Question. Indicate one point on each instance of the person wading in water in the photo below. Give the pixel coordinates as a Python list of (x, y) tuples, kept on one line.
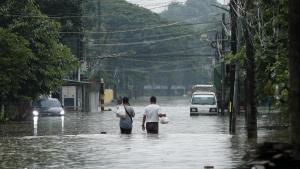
[(151, 116), (126, 113)]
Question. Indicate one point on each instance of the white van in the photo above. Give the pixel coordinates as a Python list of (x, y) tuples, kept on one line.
[(204, 103)]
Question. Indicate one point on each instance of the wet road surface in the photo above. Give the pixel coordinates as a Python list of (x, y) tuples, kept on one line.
[(74, 141)]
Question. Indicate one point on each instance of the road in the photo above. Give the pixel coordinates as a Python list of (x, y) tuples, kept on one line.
[(75, 141)]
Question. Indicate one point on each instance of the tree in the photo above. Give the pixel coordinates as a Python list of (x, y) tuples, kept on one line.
[(52, 59), (14, 65), (69, 14), (294, 70), (271, 45), (45, 69)]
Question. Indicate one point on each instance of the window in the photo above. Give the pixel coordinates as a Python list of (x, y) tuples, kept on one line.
[(50, 103), (204, 99)]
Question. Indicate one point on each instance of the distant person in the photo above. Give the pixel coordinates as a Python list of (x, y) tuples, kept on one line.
[(151, 116), (125, 112)]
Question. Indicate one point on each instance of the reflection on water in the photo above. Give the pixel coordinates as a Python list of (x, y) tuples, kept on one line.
[(36, 121), (174, 151), (62, 124), (74, 141), (35, 125)]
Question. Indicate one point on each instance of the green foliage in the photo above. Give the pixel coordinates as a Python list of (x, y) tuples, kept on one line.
[(270, 44), (271, 49), (14, 59), (69, 14), (33, 60), (239, 57)]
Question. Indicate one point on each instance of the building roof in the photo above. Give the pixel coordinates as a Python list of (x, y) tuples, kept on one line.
[(76, 82)]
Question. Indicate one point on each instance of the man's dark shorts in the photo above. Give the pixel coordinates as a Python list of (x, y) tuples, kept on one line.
[(152, 127), (125, 131)]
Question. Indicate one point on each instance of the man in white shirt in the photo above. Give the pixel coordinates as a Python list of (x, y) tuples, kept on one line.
[(151, 116)]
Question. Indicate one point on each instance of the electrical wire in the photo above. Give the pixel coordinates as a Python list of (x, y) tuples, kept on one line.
[(156, 61), (182, 50), (75, 15), (159, 57), (142, 42), (149, 42), (153, 70), (147, 37), (175, 24)]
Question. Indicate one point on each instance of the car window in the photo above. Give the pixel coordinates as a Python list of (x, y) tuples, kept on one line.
[(204, 99), (50, 103)]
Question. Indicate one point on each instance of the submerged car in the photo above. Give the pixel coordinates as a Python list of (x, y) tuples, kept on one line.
[(48, 107), (204, 103)]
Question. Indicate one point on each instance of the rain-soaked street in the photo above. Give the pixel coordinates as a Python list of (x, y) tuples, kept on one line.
[(75, 141)]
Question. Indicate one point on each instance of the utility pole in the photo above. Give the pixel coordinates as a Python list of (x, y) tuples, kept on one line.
[(250, 76), (233, 71), (98, 54), (294, 70), (98, 27), (223, 66)]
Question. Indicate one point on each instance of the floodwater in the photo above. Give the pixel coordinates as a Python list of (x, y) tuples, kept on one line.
[(75, 141)]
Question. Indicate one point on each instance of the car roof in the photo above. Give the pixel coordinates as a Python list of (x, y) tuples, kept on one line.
[(203, 93), (46, 99)]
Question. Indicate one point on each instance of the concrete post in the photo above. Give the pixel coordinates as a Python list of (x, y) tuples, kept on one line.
[(102, 94)]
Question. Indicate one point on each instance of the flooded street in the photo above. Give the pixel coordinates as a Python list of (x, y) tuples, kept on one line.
[(74, 60), (75, 141)]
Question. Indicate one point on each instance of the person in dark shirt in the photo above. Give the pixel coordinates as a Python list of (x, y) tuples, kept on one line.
[(125, 113)]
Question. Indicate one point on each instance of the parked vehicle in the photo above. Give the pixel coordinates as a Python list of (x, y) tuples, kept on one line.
[(47, 107), (204, 103), (203, 88)]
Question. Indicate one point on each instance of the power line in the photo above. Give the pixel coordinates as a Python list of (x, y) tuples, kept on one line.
[(180, 52), (69, 15), (166, 56), (162, 64), (141, 42), (153, 70), (149, 42), (75, 15), (150, 61), (175, 24), (146, 37), (166, 63)]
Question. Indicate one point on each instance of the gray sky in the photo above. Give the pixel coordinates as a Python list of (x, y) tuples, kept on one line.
[(160, 5)]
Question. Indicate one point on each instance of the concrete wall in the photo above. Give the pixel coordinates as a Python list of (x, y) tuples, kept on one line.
[(108, 96), (69, 97), (94, 101)]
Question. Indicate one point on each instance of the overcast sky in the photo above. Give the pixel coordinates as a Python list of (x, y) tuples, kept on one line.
[(160, 5)]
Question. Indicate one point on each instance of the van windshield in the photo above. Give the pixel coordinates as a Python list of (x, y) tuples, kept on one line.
[(203, 99)]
